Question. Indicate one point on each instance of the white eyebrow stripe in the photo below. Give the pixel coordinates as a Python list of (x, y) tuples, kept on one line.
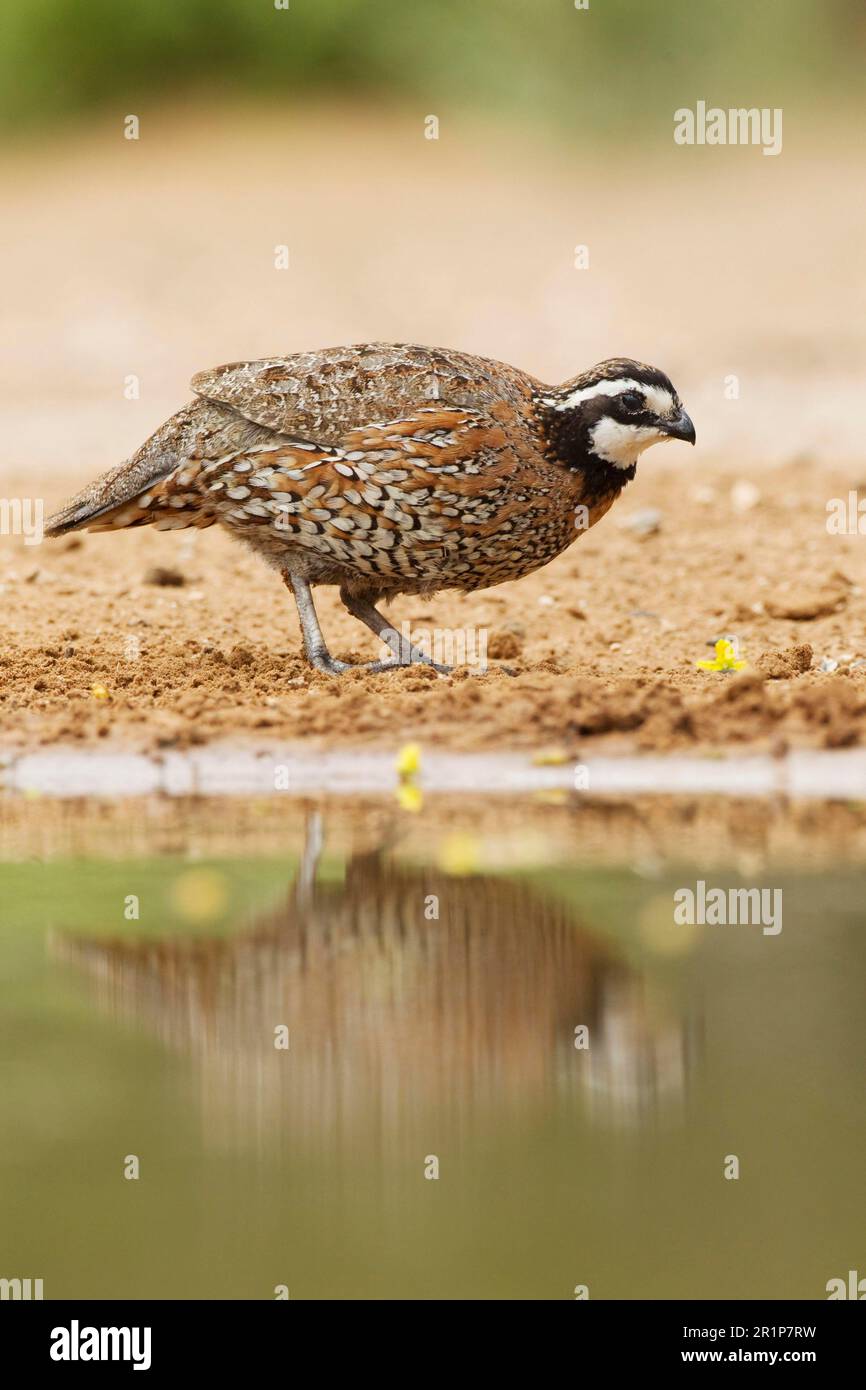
[(599, 388), (658, 397)]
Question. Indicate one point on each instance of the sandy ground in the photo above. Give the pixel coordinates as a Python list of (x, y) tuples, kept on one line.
[(602, 643), (160, 269)]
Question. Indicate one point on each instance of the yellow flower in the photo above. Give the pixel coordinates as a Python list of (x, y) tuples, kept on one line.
[(409, 797), (459, 854), (409, 760), (550, 757), (200, 895), (725, 658)]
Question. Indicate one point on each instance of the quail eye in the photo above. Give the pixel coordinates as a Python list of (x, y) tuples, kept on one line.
[(632, 400)]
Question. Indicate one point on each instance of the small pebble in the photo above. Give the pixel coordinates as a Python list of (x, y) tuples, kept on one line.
[(643, 523), (744, 496), (164, 577)]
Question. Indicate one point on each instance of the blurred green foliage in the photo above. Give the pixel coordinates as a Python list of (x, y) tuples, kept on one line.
[(541, 59)]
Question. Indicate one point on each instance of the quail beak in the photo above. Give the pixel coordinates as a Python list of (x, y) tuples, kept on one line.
[(680, 428)]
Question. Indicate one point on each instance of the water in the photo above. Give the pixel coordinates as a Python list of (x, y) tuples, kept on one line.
[(430, 971)]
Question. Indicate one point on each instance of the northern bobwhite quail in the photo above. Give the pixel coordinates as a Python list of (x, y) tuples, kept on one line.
[(389, 469)]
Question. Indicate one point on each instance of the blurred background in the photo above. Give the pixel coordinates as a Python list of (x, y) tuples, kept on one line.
[(541, 62), (131, 263)]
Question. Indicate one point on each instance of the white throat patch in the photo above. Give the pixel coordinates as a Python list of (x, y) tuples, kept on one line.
[(620, 444)]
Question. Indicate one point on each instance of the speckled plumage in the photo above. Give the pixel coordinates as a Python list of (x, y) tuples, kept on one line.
[(382, 469)]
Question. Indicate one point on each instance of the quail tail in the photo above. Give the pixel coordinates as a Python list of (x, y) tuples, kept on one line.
[(105, 504)]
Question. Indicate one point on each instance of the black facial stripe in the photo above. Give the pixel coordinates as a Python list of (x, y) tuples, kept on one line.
[(632, 417)]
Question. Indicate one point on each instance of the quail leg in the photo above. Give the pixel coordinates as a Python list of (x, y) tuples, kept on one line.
[(314, 840), (406, 654), (314, 642)]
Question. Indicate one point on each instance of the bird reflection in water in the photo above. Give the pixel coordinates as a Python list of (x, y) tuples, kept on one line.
[(399, 1024)]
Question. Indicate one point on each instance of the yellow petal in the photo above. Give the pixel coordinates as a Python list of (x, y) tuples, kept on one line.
[(459, 854), (200, 895), (409, 759), (550, 757), (409, 797)]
